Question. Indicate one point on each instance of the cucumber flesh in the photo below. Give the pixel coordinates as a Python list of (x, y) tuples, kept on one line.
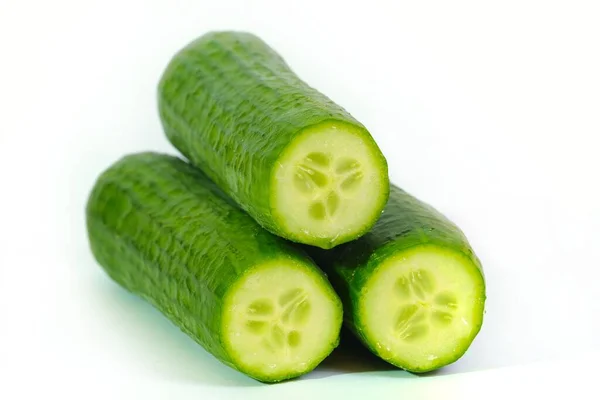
[(422, 307), (413, 289), (278, 320), (326, 184), (162, 230)]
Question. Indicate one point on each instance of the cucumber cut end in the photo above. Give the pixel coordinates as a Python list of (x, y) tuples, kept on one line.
[(281, 320), (330, 185), (422, 308)]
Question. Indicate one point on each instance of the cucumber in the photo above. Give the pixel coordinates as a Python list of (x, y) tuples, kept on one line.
[(299, 164), (165, 232), (413, 289)]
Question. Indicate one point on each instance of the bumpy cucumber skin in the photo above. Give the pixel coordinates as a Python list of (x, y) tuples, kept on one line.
[(165, 232), (406, 223), (232, 105)]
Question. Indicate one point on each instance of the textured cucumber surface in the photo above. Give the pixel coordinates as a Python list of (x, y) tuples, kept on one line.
[(234, 108), (416, 270), (165, 232)]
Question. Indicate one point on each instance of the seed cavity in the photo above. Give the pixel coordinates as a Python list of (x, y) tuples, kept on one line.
[(442, 317), (278, 336), (409, 323), (261, 307), (405, 315), (256, 327), (322, 178), (352, 181), (296, 307), (415, 332), (279, 322), (333, 201), (447, 299), (303, 183), (317, 210), (297, 314), (320, 159), (317, 177), (293, 338), (402, 287), (290, 295), (422, 283), (418, 286), (345, 165), (426, 280)]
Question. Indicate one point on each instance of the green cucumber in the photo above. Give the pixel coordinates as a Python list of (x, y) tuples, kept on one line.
[(413, 289), (164, 231), (299, 164)]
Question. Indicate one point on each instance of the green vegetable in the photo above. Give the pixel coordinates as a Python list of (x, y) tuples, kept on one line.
[(165, 232), (413, 290), (299, 164)]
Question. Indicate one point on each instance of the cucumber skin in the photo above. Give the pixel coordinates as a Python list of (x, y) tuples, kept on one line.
[(231, 105), (166, 233), (406, 223)]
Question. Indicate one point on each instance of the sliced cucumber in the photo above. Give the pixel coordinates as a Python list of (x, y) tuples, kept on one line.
[(165, 232), (277, 319), (299, 164), (412, 288), (429, 307), (325, 185)]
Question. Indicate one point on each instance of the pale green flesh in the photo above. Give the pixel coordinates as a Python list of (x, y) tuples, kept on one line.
[(280, 320), (422, 308), (328, 186)]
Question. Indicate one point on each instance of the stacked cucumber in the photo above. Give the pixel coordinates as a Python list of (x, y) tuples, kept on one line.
[(280, 177), (299, 164)]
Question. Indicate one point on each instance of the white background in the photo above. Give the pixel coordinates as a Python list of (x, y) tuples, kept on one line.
[(490, 111)]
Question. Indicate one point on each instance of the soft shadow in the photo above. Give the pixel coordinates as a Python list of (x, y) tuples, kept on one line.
[(351, 357), (158, 344)]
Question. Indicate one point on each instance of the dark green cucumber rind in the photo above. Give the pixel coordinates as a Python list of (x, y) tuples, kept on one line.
[(163, 231), (231, 105), (406, 223)]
